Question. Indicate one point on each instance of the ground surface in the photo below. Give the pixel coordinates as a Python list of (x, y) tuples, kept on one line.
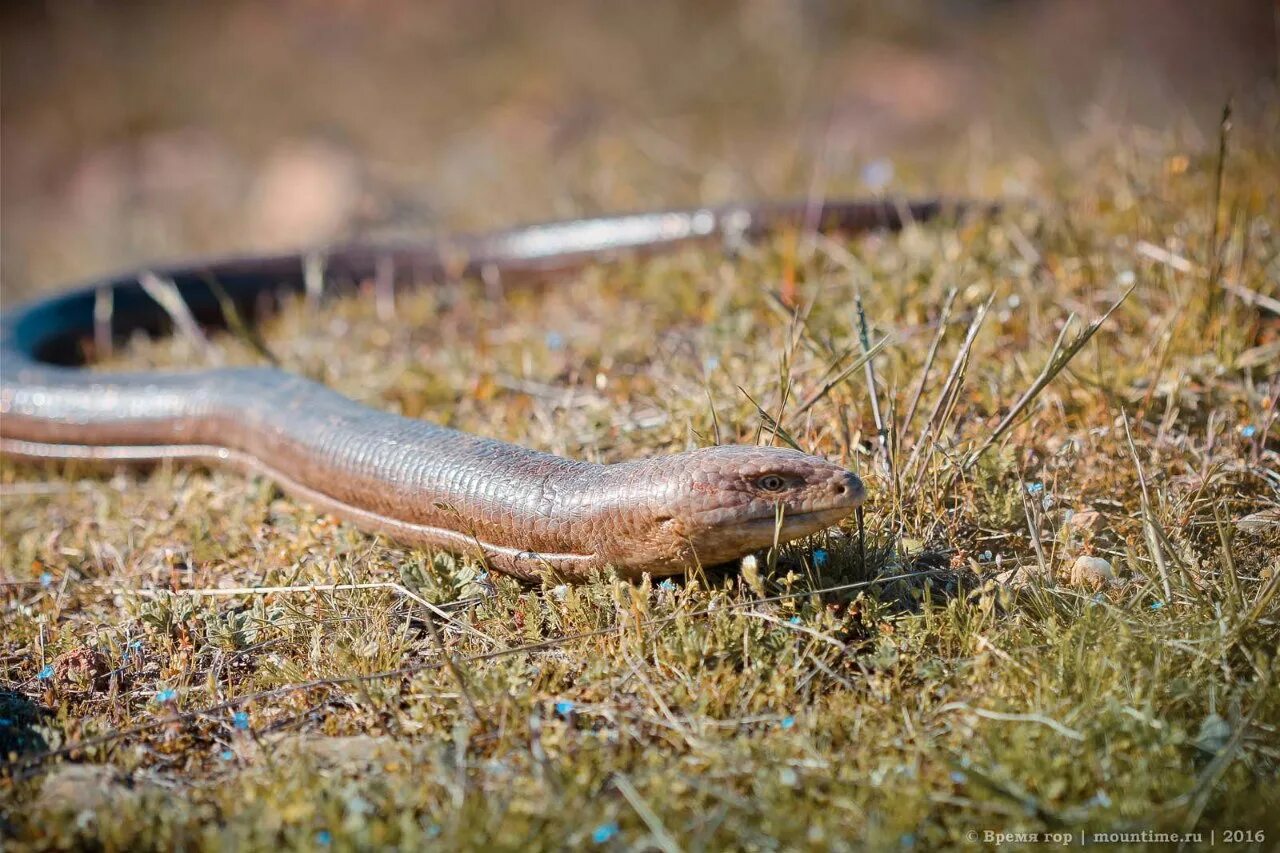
[(956, 672), (991, 689)]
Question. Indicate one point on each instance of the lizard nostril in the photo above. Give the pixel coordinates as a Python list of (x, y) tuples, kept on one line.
[(847, 488)]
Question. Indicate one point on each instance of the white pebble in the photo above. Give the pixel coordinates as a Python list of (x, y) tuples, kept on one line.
[(1093, 572)]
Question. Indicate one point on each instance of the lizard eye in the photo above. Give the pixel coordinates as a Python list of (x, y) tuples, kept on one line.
[(771, 483)]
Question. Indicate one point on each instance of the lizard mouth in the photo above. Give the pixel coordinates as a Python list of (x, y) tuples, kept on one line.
[(761, 532), (749, 535)]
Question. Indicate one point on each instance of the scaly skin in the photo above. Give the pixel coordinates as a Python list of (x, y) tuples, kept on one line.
[(522, 511)]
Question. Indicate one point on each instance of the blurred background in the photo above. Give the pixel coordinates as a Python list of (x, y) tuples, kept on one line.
[(143, 130)]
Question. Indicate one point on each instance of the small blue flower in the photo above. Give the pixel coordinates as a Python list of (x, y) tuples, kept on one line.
[(788, 722), (1035, 488), (667, 584), (323, 838), (166, 695), (604, 832), (710, 363), (555, 341), (46, 673), (227, 755), (564, 707), (907, 841), (240, 719), (958, 777), (1249, 431), (1156, 605), (433, 830), (794, 620), (46, 579), (821, 558)]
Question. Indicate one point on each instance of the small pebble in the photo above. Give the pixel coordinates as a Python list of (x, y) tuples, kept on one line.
[(1091, 572), (1086, 519), (1015, 578)]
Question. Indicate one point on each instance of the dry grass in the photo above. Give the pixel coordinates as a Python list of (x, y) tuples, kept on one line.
[(989, 689)]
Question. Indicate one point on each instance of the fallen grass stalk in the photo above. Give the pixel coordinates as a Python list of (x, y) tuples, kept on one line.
[(661, 838), (1014, 718)]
